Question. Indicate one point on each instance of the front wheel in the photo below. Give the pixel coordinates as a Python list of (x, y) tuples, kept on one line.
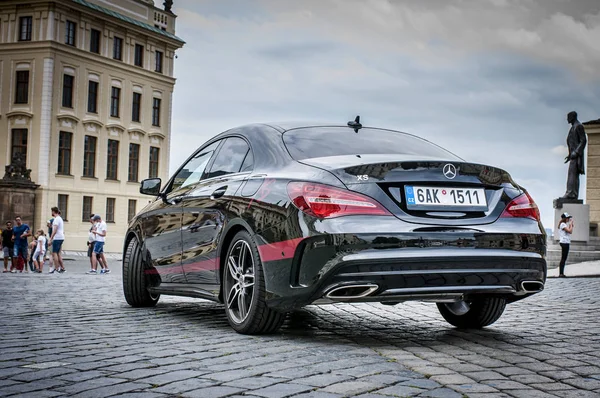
[(135, 281), (244, 289), (473, 314)]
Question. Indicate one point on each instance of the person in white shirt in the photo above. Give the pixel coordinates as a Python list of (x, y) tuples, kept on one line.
[(99, 230), (57, 239), (40, 251), (91, 244), (565, 229)]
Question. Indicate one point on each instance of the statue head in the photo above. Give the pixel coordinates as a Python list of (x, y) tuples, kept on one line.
[(572, 117)]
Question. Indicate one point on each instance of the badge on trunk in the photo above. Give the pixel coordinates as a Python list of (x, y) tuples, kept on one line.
[(449, 171)]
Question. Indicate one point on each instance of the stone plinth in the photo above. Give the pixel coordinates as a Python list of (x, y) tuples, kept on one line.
[(17, 198), (581, 216)]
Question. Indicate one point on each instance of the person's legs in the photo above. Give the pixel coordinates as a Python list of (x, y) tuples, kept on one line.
[(7, 255), (563, 258), (56, 254)]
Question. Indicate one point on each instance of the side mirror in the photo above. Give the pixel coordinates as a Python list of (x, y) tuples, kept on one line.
[(150, 186)]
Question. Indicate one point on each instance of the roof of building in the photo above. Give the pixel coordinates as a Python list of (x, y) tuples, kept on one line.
[(128, 19), (592, 122)]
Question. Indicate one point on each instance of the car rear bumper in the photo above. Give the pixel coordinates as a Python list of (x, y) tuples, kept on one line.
[(392, 268)]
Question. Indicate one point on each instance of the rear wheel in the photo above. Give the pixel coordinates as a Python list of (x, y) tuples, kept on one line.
[(473, 314), (135, 281), (244, 289)]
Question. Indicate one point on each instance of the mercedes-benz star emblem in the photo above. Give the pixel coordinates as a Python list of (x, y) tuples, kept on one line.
[(449, 171)]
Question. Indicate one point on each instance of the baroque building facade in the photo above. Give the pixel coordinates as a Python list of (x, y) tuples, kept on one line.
[(86, 92)]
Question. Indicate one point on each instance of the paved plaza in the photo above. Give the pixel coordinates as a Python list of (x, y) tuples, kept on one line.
[(74, 335)]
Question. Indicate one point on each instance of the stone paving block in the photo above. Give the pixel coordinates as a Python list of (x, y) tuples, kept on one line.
[(401, 391), (576, 394), (452, 379), (252, 383), (433, 370), (441, 393), (83, 376), (281, 390), (485, 375), (37, 385), (554, 386), (141, 395), (583, 383), (321, 394), (530, 394), (170, 377), (183, 386), (40, 394), (115, 389), (322, 380), (506, 385), (473, 388)]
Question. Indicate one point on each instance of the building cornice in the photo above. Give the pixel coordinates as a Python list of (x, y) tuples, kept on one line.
[(136, 130), (68, 116), (592, 126), (156, 134), (36, 46), (19, 113)]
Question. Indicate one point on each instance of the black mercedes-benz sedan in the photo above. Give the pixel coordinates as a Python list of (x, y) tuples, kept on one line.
[(267, 218)]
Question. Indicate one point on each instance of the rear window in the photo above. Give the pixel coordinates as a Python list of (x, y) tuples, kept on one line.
[(316, 142)]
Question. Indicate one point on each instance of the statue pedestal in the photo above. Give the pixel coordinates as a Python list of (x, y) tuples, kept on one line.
[(581, 216), (17, 198)]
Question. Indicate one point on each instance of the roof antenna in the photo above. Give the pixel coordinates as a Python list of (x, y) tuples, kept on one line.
[(355, 124)]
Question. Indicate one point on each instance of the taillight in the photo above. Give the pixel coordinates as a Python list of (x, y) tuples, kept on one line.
[(522, 206), (324, 201)]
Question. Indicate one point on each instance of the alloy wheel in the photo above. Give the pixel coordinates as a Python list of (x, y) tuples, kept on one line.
[(240, 275)]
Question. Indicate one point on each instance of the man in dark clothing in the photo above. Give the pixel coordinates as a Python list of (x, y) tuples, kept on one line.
[(20, 234), (576, 142), (7, 246)]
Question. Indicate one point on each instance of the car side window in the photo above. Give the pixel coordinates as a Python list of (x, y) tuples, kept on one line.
[(248, 164), (230, 158), (192, 172)]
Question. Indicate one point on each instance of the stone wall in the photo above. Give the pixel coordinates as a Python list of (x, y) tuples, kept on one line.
[(593, 171), (17, 201)]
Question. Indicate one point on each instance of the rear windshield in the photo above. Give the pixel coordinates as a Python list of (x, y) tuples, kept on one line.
[(316, 142)]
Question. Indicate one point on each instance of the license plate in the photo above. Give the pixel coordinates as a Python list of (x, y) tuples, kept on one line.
[(445, 197)]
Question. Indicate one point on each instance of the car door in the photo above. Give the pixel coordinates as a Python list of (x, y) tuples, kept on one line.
[(162, 223), (205, 211)]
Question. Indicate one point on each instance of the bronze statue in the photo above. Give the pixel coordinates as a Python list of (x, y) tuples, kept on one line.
[(17, 169), (576, 141), (168, 4)]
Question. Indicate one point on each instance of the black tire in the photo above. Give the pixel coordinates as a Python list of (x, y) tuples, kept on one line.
[(135, 281), (260, 319), (482, 312)]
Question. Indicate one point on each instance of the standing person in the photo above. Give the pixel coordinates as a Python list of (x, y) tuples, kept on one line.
[(565, 229), (8, 246), (99, 230), (20, 234), (91, 244), (56, 240), (48, 246), (40, 251), (32, 246)]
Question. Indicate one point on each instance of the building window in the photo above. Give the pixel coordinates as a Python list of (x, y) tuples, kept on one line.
[(88, 203), (131, 209), (156, 112), (110, 210), (19, 144), (22, 89), (71, 30), (112, 160), (89, 156), (138, 58), (64, 152), (118, 48), (115, 98), (25, 28), (92, 96), (95, 41), (159, 62), (134, 160), (153, 170), (135, 107), (67, 98), (63, 205)]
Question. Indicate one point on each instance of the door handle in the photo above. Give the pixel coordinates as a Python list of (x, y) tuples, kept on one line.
[(218, 193)]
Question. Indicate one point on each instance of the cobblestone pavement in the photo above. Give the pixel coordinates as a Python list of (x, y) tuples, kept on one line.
[(74, 335)]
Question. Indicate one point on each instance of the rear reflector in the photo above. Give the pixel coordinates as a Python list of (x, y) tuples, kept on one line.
[(522, 206), (324, 201)]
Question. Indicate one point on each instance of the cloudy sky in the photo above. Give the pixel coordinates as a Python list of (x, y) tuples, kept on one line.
[(490, 80)]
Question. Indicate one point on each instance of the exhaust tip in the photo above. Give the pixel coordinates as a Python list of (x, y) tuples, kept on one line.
[(532, 286), (351, 291)]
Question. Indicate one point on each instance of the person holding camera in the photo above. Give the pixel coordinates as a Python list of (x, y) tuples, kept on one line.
[(565, 229)]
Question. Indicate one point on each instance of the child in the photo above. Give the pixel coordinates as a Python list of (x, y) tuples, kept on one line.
[(40, 251)]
